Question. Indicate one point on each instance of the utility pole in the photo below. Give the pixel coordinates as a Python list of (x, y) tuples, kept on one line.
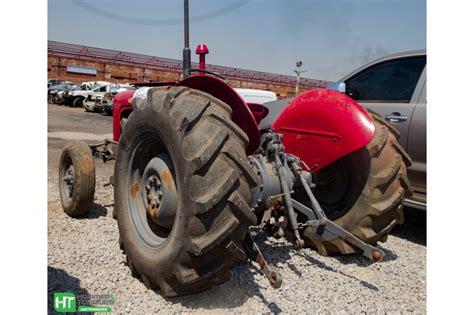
[(298, 71), (186, 49)]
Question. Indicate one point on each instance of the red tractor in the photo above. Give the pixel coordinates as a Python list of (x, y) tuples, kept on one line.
[(195, 176)]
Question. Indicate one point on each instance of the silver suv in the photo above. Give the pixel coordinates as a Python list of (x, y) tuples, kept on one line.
[(395, 87)]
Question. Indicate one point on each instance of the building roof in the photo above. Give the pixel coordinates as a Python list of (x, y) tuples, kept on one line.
[(126, 58)]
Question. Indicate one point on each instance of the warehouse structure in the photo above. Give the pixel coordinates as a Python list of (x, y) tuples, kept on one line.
[(79, 63)]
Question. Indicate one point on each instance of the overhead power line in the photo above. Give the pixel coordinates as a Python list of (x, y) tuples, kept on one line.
[(172, 21)]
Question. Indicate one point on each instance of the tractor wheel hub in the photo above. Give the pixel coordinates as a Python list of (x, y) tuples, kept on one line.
[(159, 196), (68, 182)]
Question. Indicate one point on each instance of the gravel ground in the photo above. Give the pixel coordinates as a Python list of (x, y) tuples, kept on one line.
[(84, 258)]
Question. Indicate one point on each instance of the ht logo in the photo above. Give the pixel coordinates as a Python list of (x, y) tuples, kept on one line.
[(64, 302)]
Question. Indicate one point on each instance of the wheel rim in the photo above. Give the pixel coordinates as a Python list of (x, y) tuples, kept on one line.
[(67, 176), (159, 196), (151, 190), (335, 189)]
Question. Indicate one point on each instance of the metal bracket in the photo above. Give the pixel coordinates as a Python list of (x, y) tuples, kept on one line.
[(275, 148), (330, 230), (106, 153), (254, 253)]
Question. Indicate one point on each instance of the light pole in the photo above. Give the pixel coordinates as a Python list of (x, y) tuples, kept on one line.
[(298, 71)]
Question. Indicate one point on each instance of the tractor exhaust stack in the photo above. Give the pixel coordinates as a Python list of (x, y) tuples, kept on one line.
[(186, 49)]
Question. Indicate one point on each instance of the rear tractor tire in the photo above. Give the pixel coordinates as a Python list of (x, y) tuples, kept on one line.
[(76, 178), (182, 191), (364, 191)]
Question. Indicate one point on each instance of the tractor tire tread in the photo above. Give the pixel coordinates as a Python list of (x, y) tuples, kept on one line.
[(218, 213), (380, 205), (84, 178)]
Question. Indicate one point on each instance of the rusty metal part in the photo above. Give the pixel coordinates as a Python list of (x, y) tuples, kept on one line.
[(134, 190), (299, 243), (104, 151), (254, 253), (267, 215), (153, 195)]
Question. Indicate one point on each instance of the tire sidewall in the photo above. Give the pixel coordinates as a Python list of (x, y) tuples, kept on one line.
[(146, 258), (83, 169), (360, 161), (67, 206)]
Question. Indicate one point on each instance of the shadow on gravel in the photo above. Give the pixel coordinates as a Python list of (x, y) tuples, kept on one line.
[(414, 228), (230, 294), (280, 253), (96, 211), (251, 271), (233, 294), (60, 281), (361, 261), (322, 265), (227, 295)]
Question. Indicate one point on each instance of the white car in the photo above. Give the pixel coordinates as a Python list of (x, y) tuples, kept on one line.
[(95, 100), (76, 97), (256, 96)]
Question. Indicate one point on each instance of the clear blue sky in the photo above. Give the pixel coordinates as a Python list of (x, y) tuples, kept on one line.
[(331, 37)]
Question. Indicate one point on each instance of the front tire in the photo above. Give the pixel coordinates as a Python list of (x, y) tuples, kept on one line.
[(76, 178), (193, 134), (364, 191)]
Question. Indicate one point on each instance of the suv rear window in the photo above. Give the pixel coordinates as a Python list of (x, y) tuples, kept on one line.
[(392, 81)]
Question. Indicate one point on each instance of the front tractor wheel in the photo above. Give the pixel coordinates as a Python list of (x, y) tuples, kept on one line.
[(364, 191), (182, 191), (76, 178)]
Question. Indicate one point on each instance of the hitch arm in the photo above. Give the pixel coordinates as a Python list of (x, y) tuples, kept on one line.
[(318, 211), (254, 253), (330, 230)]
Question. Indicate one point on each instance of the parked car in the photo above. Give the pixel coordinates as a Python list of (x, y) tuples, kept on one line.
[(109, 108), (56, 93), (61, 93), (55, 82), (97, 98), (256, 96), (395, 87), (76, 97)]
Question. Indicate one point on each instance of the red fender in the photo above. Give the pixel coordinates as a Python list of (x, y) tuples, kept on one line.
[(122, 106), (242, 114), (321, 126)]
